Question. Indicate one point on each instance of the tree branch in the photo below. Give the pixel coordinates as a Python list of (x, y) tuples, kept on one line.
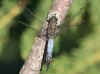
[(33, 63)]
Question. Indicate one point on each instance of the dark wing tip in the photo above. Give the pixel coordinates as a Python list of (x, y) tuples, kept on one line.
[(21, 4), (82, 8)]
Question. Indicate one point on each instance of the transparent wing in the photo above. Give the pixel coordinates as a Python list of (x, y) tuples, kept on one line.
[(66, 25), (28, 14), (70, 27), (32, 28)]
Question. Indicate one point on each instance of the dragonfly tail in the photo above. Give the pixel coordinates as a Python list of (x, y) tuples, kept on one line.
[(48, 61)]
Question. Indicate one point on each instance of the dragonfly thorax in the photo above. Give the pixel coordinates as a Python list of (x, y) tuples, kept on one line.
[(52, 27)]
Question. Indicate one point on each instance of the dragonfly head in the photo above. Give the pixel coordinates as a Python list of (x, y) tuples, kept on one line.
[(53, 19)]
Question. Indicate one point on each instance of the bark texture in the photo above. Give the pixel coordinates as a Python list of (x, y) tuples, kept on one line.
[(33, 63)]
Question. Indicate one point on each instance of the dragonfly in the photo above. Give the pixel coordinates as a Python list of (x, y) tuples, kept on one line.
[(53, 29)]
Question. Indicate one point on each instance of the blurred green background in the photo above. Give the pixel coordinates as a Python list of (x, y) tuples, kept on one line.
[(77, 51)]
